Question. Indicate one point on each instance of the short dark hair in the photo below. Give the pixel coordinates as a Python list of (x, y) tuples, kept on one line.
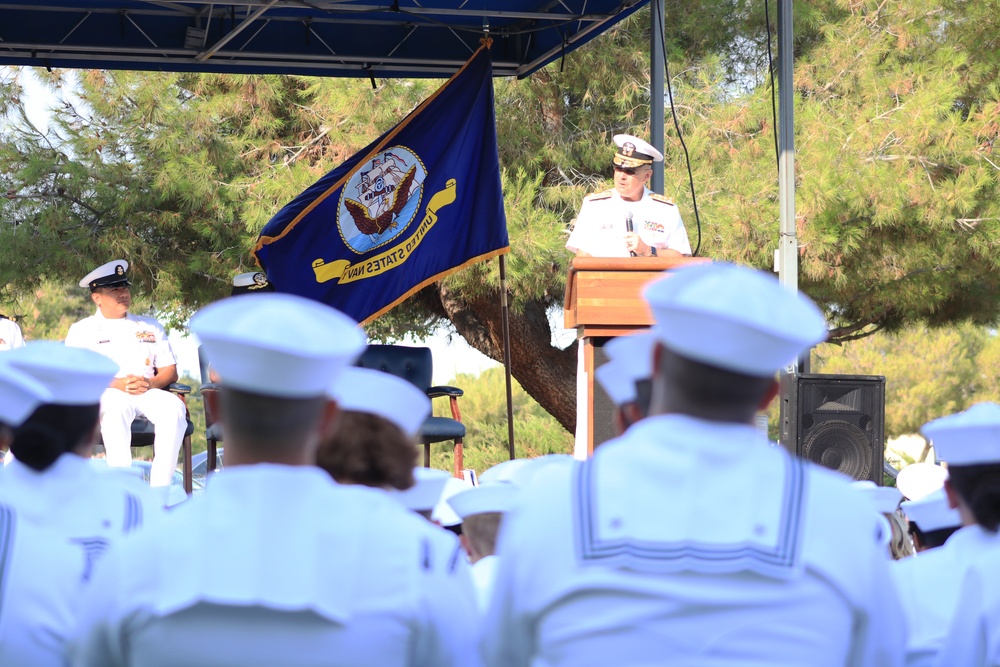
[(259, 422), (931, 539), (979, 487), (367, 449), (51, 431), (702, 390)]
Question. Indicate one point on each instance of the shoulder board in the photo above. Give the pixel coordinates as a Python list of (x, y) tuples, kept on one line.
[(661, 198), (598, 195)]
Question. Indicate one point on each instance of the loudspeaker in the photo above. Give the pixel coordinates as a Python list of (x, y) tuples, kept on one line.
[(604, 408), (836, 421)]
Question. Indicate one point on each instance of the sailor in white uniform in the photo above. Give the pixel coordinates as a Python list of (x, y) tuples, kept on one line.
[(10, 334), (146, 367), (689, 540), (41, 573), (313, 572), (481, 510), (51, 479), (629, 219), (969, 442), (928, 583), (627, 375)]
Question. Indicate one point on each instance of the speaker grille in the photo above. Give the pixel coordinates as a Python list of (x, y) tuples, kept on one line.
[(841, 446)]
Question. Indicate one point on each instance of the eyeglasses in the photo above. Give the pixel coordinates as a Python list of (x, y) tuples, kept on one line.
[(626, 170)]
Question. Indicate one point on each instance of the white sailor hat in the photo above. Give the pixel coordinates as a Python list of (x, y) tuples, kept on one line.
[(617, 381), (932, 512), (634, 152), (733, 318), (920, 479), (967, 438), (112, 274), (72, 375), (885, 499), (277, 344), (20, 393), (443, 513), (382, 394), (481, 499), (250, 282), (426, 492), (631, 361), (504, 471)]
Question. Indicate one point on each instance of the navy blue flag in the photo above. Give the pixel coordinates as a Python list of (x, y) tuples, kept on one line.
[(418, 203)]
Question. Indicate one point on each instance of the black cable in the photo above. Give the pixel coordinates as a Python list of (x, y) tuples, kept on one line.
[(770, 70), (677, 126)]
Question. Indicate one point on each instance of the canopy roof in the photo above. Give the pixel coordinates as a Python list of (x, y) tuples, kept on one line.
[(362, 38)]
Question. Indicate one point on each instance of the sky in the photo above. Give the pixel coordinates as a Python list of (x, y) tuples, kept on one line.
[(452, 355)]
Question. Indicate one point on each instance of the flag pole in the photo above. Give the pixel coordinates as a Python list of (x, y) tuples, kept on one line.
[(505, 312)]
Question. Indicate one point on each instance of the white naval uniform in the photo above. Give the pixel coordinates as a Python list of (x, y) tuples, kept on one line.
[(280, 565), (973, 635), (600, 226), (686, 542), (10, 335), (80, 499), (138, 345), (484, 573), (41, 579), (928, 585)]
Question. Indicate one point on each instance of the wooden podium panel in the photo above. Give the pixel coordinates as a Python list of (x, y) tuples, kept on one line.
[(604, 300)]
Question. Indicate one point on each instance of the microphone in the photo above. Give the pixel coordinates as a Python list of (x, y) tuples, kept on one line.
[(628, 228)]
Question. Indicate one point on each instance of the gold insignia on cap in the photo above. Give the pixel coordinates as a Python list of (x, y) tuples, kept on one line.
[(120, 270), (259, 278), (628, 148)]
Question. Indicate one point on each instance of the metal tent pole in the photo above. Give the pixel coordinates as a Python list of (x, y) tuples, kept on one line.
[(656, 76)]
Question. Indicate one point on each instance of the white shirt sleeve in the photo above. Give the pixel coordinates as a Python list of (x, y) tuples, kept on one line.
[(99, 641), (967, 641)]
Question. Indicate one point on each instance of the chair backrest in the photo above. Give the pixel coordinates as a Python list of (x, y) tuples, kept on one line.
[(415, 364)]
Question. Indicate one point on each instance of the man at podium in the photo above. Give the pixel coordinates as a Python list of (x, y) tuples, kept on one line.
[(629, 219)]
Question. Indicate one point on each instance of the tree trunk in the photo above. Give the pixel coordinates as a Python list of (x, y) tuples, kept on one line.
[(547, 373)]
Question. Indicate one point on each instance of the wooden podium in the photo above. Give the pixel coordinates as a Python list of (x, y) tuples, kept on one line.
[(604, 300)]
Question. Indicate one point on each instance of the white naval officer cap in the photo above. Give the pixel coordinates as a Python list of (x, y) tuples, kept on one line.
[(885, 499), (967, 438), (20, 394), (277, 344), (250, 282), (72, 375), (631, 360), (634, 152), (481, 499), (738, 319), (383, 395), (426, 492), (920, 479), (932, 512), (111, 274)]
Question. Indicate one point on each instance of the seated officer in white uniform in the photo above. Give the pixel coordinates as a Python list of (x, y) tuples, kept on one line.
[(10, 334), (629, 219), (313, 572), (146, 367), (40, 571), (969, 442), (689, 540), (52, 480)]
